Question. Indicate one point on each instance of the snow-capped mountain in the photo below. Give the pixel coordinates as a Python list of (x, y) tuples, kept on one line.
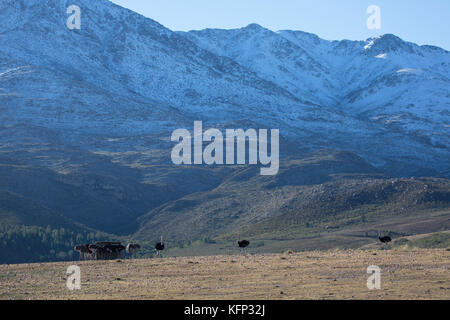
[(125, 75), (399, 85)]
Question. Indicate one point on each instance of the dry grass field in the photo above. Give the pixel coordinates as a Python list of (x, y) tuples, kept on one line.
[(338, 274)]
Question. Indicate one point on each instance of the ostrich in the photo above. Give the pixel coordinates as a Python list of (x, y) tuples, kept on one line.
[(84, 251), (132, 248), (80, 250), (94, 249), (159, 247), (99, 252), (119, 250), (113, 251), (385, 239), (110, 251), (243, 244)]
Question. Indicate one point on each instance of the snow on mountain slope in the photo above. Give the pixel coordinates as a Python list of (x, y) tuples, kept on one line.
[(346, 74), (400, 86), (124, 53), (118, 46), (123, 74), (272, 57), (388, 80)]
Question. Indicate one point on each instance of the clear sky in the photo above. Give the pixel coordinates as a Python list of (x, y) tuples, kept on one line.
[(419, 21)]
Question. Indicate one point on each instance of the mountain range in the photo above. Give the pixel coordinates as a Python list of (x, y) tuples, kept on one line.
[(86, 119)]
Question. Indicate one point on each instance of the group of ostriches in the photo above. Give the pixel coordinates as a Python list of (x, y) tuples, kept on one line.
[(106, 250), (113, 250)]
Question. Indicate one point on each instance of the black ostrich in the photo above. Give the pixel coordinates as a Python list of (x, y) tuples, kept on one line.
[(243, 244), (85, 252), (159, 247), (385, 239)]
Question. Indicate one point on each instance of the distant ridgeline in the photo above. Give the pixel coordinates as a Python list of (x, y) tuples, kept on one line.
[(21, 244)]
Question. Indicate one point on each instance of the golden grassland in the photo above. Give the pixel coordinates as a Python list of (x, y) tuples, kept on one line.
[(337, 274)]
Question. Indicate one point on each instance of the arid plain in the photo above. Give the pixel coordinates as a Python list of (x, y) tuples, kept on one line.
[(336, 274)]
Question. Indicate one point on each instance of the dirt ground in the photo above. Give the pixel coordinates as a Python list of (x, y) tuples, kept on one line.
[(413, 274)]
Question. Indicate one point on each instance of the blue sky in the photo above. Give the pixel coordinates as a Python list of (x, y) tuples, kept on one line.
[(420, 21)]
